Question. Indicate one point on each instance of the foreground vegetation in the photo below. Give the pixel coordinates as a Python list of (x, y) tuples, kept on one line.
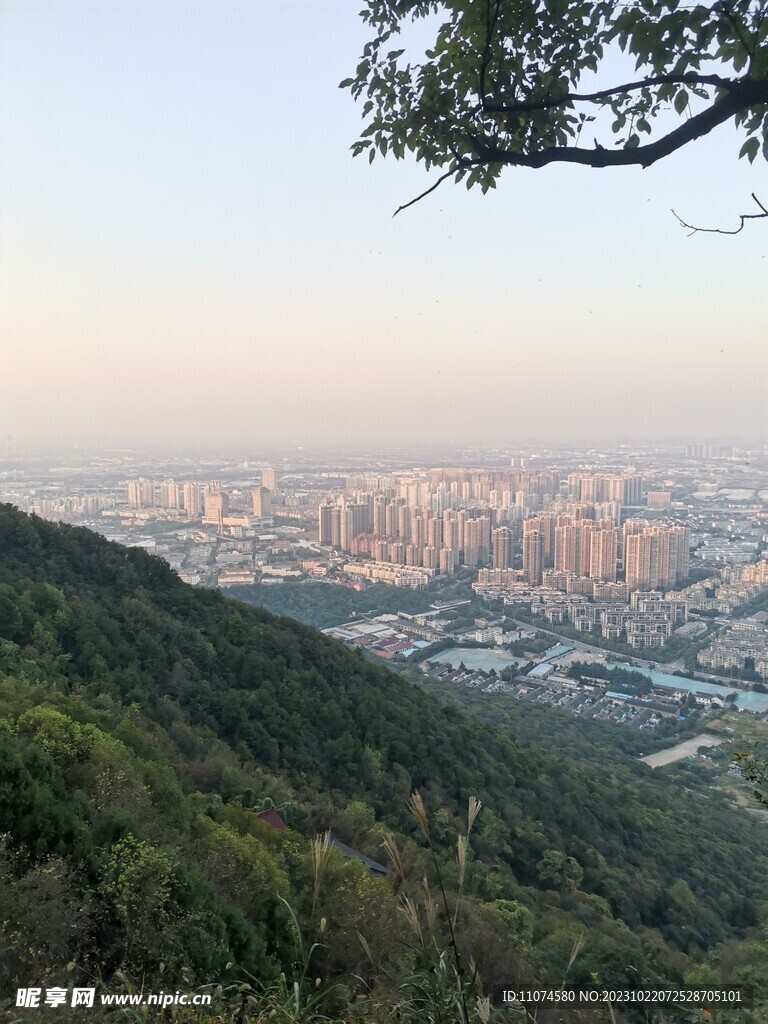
[(144, 726)]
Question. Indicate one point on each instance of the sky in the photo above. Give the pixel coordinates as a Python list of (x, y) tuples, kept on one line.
[(189, 255)]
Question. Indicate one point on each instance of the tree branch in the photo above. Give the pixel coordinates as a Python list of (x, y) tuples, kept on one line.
[(743, 94), (723, 231), (687, 78), (440, 180)]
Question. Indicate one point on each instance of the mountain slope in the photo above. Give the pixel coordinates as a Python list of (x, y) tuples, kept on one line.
[(140, 711)]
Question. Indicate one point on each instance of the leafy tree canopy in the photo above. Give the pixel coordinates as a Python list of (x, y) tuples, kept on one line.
[(520, 82)]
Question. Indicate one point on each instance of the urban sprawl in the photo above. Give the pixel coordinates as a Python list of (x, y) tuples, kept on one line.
[(526, 572)]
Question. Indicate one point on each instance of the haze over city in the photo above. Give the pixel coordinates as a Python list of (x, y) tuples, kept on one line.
[(190, 255)]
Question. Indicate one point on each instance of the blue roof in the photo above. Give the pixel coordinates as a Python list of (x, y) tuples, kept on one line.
[(557, 650), (541, 670)]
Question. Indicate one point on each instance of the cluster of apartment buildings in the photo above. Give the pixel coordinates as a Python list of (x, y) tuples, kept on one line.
[(743, 646), (570, 568), (646, 619), (581, 544), (570, 532), (394, 533), (71, 505), (735, 587), (209, 503), (460, 518)]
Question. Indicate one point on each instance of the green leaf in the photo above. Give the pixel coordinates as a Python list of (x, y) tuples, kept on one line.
[(681, 101), (750, 148)]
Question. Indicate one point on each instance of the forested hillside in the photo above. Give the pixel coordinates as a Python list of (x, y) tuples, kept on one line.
[(144, 724), (324, 604)]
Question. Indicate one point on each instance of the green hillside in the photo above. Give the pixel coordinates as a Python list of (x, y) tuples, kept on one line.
[(144, 724)]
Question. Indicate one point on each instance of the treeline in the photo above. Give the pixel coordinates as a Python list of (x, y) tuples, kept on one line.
[(328, 604), (630, 680)]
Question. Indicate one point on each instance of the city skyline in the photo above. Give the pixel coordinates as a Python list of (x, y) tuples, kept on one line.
[(185, 260), (647, 550)]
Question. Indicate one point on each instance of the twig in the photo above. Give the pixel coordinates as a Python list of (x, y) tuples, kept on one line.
[(738, 30), (744, 217), (432, 188), (490, 25)]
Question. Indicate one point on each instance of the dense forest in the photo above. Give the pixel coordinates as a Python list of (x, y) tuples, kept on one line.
[(145, 725), (326, 604)]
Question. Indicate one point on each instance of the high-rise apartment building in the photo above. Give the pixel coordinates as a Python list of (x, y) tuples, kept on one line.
[(262, 502), (674, 555), (572, 545), (471, 543), (502, 547), (336, 517), (324, 523), (418, 530), (269, 478), (380, 550), (380, 505), (216, 506), (630, 527), (170, 496), (391, 518), (435, 533), (545, 525), (447, 561), (625, 488), (659, 500), (430, 557), (193, 500), (451, 529), (397, 552), (404, 523), (134, 493), (641, 560), (533, 557), (141, 493), (656, 556), (632, 489), (603, 546), (355, 517)]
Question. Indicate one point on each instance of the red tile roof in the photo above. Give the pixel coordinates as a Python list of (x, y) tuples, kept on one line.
[(272, 818)]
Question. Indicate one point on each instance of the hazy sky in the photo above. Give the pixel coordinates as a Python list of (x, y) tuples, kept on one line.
[(189, 253)]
